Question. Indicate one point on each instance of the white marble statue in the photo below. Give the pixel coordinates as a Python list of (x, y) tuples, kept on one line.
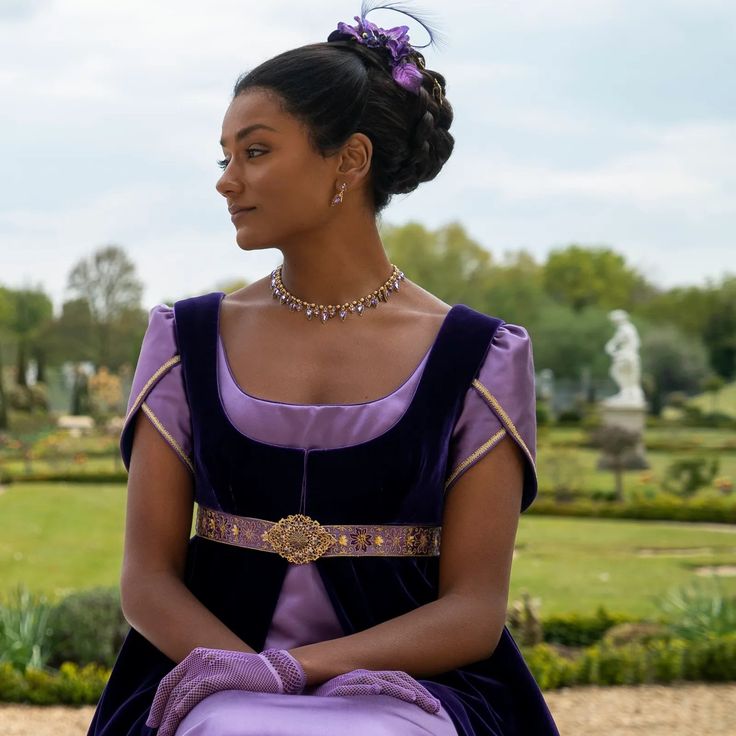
[(623, 348)]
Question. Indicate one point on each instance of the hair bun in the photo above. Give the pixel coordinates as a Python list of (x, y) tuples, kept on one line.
[(430, 144)]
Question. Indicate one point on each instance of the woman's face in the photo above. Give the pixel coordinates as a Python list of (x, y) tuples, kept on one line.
[(273, 170)]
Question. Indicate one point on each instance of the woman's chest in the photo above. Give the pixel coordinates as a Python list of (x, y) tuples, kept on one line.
[(301, 365)]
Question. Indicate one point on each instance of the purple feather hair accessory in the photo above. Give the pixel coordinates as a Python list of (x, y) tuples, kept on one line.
[(404, 71)]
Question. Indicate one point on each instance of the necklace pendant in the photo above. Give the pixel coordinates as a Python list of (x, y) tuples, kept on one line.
[(343, 314), (324, 317), (359, 309), (309, 312)]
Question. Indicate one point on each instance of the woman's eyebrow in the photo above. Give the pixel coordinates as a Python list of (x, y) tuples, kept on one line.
[(249, 129)]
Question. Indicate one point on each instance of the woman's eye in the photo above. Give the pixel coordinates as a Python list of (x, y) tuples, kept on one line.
[(225, 161)]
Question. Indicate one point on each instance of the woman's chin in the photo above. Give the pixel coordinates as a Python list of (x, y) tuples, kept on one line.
[(246, 241)]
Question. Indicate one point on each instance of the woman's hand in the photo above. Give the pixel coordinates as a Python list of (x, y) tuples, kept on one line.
[(395, 683), (206, 671)]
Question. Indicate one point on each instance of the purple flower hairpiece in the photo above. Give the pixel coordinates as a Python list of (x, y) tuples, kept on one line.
[(404, 71)]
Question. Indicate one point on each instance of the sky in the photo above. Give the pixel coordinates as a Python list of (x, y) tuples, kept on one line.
[(607, 123)]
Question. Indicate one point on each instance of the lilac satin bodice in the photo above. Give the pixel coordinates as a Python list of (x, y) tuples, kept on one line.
[(500, 401)]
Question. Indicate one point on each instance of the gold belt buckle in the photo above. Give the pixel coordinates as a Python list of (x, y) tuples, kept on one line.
[(299, 538)]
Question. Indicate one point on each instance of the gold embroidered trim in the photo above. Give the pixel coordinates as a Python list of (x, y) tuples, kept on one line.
[(167, 435), (506, 419), (154, 377), (475, 455), (300, 539)]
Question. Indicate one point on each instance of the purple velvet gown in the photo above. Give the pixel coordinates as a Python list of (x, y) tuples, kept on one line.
[(503, 403)]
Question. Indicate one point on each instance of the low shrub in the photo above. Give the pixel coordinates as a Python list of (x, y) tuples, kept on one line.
[(712, 659), (578, 630), (70, 685), (664, 507), (87, 626), (70, 476), (686, 475)]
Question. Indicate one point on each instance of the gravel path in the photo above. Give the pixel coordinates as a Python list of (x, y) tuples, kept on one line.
[(654, 710)]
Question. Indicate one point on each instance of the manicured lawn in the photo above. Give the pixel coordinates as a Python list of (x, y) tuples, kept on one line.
[(577, 564), (60, 536), (57, 537)]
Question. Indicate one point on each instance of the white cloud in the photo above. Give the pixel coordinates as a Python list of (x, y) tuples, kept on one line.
[(135, 93), (683, 167)]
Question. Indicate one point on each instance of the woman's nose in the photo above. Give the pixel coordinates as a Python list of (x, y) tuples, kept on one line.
[(225, 184)]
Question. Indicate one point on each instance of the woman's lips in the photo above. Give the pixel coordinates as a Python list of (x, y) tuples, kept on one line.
[(241, 212)]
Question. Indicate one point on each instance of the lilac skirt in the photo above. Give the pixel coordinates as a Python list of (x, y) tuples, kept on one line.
[(242, 713)]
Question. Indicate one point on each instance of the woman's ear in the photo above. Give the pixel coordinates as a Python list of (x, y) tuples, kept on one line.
[(355, 159)]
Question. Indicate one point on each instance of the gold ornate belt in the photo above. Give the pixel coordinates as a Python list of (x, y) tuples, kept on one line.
[(301, 539)]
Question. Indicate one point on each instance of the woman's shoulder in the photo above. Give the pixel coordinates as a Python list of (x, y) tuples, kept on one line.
[(501, 400), (159, 340), (510, 350)]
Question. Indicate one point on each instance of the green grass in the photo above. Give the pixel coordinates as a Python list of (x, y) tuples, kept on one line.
[(58, 537), (725, 401), (578, 564)]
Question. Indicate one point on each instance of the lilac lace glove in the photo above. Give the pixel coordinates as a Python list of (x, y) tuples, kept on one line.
[(205, 671), (395, 683)]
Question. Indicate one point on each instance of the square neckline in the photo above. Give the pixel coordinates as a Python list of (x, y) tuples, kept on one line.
[(289, 404)]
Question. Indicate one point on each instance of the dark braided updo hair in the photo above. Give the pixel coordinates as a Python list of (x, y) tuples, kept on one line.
[(339, 87)]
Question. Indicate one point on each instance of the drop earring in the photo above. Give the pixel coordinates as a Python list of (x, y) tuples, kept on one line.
[(337, 199)]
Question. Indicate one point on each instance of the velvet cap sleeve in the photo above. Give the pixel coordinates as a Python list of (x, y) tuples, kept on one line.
[(158, 389), (500, 401)]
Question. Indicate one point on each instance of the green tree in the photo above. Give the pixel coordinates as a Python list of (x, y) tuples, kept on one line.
[(671, 361), (515, 289), (6, 317), (583, 277), (719, 332), (70, 335), (110, 286), (446, 262), (708, 311), (32, 310), (569, 343)]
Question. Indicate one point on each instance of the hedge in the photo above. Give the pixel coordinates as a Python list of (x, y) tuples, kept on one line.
[(712, 659)]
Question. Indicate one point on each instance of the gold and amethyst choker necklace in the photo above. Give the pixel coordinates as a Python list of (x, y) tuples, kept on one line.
[(328, 311)]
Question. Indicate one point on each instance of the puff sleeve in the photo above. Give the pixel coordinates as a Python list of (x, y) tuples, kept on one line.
[(500, 401), (158, 389)]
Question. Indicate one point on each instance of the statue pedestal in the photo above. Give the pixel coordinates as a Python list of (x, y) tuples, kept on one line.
[(629, 417)]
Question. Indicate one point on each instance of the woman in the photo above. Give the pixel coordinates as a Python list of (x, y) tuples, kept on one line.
[(313, 596)]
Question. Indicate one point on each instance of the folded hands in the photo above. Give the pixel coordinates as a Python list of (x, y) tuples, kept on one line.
[(205, 671)]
